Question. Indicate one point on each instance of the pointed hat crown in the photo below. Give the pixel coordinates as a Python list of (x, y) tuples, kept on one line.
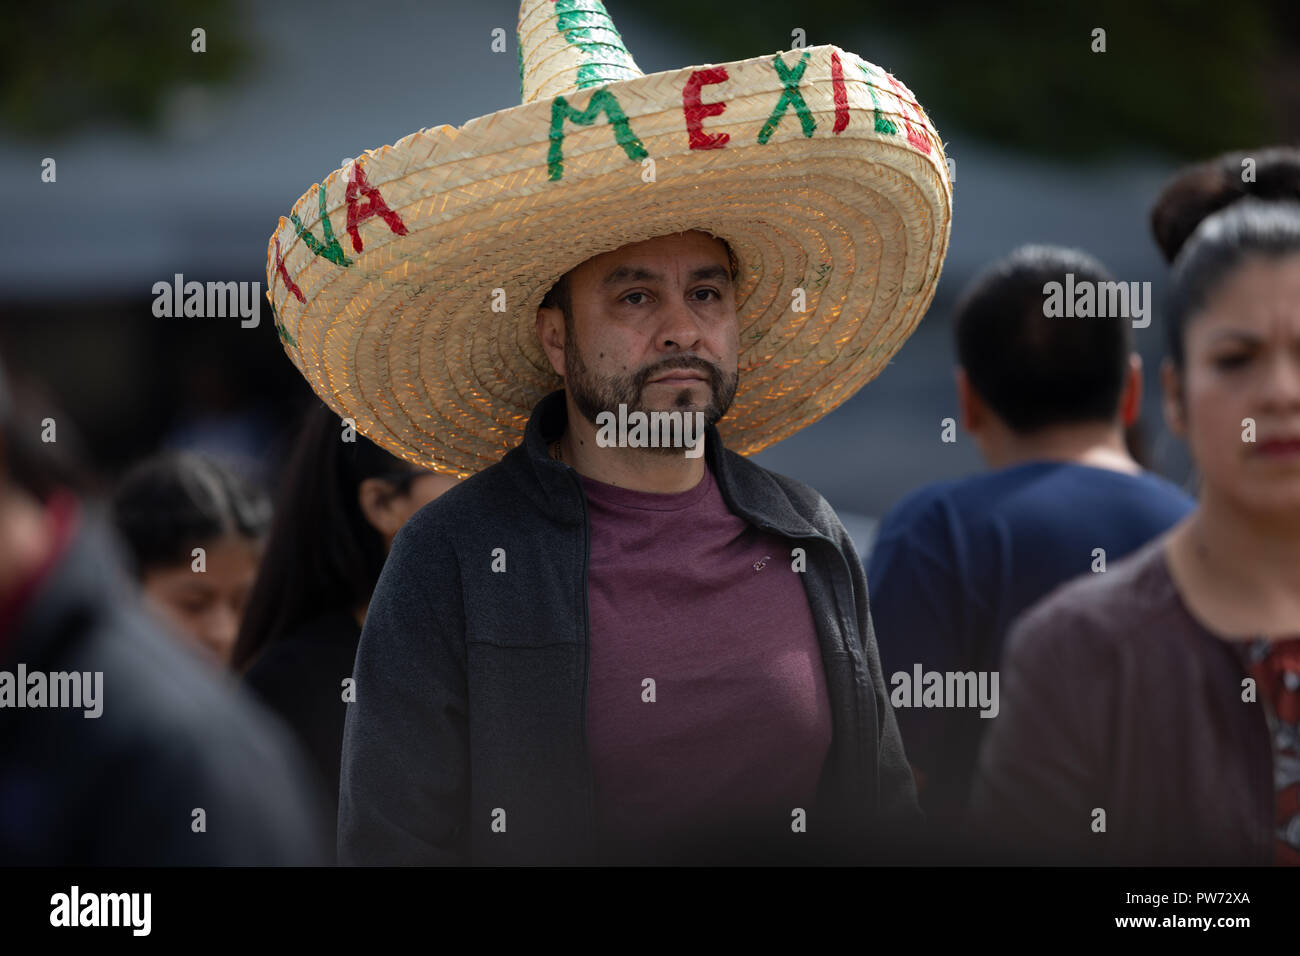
[(569, 45)]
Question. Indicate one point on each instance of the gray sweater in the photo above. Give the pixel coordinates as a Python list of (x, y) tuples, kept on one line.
[(466, 742)]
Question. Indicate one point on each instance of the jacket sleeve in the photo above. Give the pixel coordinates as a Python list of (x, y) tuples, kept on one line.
[(897, 788), (404, 783)]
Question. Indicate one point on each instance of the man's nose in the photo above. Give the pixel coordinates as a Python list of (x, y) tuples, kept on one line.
[(679, 326)]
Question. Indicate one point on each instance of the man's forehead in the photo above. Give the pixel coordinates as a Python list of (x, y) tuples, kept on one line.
[(644, 260)]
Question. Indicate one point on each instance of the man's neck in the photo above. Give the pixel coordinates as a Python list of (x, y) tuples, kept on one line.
[(1098, 446), (655, 470)]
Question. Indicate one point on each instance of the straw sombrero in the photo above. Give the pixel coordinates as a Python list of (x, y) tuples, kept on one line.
[(405, 287)]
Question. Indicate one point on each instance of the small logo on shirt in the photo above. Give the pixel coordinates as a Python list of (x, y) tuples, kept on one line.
[(760, 564)]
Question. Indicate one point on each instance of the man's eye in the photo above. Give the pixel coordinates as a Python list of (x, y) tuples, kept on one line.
[(628, 298), (714, 292)]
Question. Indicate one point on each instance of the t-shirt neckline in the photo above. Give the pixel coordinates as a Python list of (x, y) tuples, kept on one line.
[(619, 497)]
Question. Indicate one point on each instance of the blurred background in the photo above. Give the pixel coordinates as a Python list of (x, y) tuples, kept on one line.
[(170, 161)]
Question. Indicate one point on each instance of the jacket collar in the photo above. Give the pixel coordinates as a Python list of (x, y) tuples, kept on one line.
[(750, 491)]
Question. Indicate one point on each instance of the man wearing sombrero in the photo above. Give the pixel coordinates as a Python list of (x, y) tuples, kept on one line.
[(592, 652)]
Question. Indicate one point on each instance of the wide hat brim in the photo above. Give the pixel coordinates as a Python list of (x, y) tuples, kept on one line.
[(405, 287)]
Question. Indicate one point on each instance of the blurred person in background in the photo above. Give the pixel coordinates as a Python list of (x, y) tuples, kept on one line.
[(341, 501), (1151, 714), (168, 506), (1047, 400), (168, 764)]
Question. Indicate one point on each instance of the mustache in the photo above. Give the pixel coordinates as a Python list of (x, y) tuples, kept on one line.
[(683, 364)]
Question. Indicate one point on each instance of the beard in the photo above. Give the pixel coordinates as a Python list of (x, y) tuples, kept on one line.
[(593, 393)]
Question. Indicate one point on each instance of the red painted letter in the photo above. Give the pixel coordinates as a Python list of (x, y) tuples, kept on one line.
[(841, 99), (914, 136), (695, 111), (284, 273), (375, 206)]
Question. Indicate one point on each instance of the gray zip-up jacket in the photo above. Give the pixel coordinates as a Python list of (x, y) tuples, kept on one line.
[(466, 742)]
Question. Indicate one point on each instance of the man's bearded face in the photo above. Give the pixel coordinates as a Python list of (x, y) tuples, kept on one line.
[(594, 393), (644, 312)]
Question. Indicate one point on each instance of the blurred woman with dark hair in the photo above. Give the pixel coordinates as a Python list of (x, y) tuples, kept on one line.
[(342, 500), (1151, 714), (194, 531)]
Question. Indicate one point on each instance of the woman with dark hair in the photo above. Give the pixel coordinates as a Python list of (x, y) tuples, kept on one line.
[(194, 531), (1151, 714), (342, 500)]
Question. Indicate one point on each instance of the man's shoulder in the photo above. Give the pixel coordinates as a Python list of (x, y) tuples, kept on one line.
[(933, 506), (805, 500), (1035, 491), (483, 501)]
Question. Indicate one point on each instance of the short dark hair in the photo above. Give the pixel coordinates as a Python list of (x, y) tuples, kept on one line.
[(559, 297), (1218, 247), (174, 501), (1035, 371), (1203, 189)]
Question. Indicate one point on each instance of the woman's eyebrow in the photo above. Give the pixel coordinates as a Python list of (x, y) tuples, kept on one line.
[(1249, 338)]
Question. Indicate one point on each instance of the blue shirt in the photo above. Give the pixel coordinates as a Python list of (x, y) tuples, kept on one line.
[(956, 562)]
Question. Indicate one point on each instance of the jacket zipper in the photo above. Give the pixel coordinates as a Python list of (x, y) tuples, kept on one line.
[(586, 669)]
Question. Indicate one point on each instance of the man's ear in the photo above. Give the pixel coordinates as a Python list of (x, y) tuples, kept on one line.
[(550, 332), (1174, 398), (1130, 398)]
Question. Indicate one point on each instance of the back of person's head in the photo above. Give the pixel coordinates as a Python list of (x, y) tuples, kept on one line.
[(1200, 190), (1035, 371), (175, 501), (322, 553), (1221, 244)]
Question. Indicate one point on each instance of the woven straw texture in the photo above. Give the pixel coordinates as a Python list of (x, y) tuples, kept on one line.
[(405, 287)]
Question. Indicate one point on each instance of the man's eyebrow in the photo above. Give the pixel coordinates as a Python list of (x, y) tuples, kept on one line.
[(636, 274), (630, 274), (711, 272)]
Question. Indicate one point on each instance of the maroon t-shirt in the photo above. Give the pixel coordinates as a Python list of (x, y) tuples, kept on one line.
[(686, 594)]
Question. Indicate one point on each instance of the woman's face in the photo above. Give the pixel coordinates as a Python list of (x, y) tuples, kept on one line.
[(1242, 366), (423, 489), (387, 509), (206, 606)]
